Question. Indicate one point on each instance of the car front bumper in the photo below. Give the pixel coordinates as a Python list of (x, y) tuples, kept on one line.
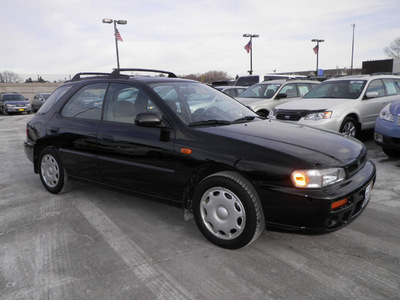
[(307, 209), (19, 109), (387, 134)]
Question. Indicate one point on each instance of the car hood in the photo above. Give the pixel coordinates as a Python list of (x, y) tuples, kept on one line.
[(298, 142), (395, 107), (313, 104)]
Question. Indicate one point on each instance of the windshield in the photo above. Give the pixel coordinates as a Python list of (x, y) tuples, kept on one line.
[(261, 90), (15, 97), (344, 89), (198, 104)]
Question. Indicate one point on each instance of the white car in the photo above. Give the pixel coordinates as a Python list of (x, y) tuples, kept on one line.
[(263, 97), (345, 104)]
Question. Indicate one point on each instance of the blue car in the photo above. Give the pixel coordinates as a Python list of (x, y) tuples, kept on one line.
[(387, 129)]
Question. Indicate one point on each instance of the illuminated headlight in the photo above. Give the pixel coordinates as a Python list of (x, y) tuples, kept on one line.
[(319, 115), (271, 115), (313, 179), (386, 115)]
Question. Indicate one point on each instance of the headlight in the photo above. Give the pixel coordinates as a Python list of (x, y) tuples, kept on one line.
[(317, 178), (386, 115), (319, 115), (10, 105)]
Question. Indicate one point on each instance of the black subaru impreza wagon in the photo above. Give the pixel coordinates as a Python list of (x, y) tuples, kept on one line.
[(189, 144)]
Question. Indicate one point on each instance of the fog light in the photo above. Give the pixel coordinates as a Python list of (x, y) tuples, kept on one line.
[(339, 203), (378, 137)]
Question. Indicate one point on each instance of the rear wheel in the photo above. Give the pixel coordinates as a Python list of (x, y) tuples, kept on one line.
[(349, 127), (227, 210), (51, 171)]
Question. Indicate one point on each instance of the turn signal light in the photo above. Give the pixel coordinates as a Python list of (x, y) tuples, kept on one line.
[(339, 203), (300, 179), (186, 150)]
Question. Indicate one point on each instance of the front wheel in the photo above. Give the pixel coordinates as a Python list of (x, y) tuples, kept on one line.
[(227, 210), (51, 171), (349, 127)]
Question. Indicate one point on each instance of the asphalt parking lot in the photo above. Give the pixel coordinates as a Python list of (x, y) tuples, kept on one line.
[(94, 243)]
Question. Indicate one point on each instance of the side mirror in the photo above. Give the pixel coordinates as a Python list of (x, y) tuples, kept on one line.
[(281, 95), (372, 94), (147, 120)]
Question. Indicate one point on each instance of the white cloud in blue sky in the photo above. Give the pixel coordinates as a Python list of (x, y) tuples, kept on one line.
[(185, 36)]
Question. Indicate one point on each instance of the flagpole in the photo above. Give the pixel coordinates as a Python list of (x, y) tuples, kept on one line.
[(251, 49), (116, 42), (352, 50), (317, 52), (121, 22)]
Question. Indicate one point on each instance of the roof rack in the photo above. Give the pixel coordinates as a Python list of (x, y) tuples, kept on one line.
[(381, 73), (77, 76), (117, 72)]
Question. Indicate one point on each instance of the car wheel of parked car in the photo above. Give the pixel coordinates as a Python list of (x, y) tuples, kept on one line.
[(51, 170), (227, 210), (349, 127)]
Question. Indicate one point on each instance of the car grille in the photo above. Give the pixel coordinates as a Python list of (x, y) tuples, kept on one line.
[(290, 115), (20, 105)]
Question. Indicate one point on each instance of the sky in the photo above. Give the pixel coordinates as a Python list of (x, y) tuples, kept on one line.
[(192, 37)]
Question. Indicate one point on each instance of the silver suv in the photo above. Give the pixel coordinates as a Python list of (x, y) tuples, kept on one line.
[(263, 97), (346, 104)]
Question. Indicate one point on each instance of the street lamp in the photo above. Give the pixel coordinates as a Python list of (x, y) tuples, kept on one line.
[(249, 48), (116, 33), (316, 50), (352, 50)]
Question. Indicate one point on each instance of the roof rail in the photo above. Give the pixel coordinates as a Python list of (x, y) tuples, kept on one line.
[(117, 72), (381, 73), (77, 76)]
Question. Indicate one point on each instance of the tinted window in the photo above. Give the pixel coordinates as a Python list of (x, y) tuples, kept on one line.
[(344, 89), (124, 101), (86, 103), (262, 90), (15, 97), (54, 97), (377, 86), (290, 90), (247, 80)]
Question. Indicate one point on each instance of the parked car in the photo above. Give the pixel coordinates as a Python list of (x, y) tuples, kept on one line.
[(232, 91), (186, 143), (263, 97), (14, 103), (346, 104), (387, 129), (249, 80), (38, 100)]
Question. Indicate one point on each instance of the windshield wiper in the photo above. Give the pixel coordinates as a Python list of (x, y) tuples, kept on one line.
[(210, 122), (245, 119)]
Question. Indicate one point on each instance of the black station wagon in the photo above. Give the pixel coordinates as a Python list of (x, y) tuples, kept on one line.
[(186, 143)]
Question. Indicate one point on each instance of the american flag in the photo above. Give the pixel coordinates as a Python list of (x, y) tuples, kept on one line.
[(316, 48), (248, 47), (118, 36)]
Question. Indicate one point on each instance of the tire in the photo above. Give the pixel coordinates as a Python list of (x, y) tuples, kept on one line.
[(349, 127), (51, 171), (227, 210)]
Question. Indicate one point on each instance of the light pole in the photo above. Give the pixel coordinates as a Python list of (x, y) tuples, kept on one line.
[(352, 50), (116, 33), (249, 48), (316, 50)]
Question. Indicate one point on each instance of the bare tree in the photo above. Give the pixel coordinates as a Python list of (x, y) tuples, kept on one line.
[(9, 77), (209, 76), (393, 51)]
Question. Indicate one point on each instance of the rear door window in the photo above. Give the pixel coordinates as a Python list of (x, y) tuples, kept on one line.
[(87, 103)]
